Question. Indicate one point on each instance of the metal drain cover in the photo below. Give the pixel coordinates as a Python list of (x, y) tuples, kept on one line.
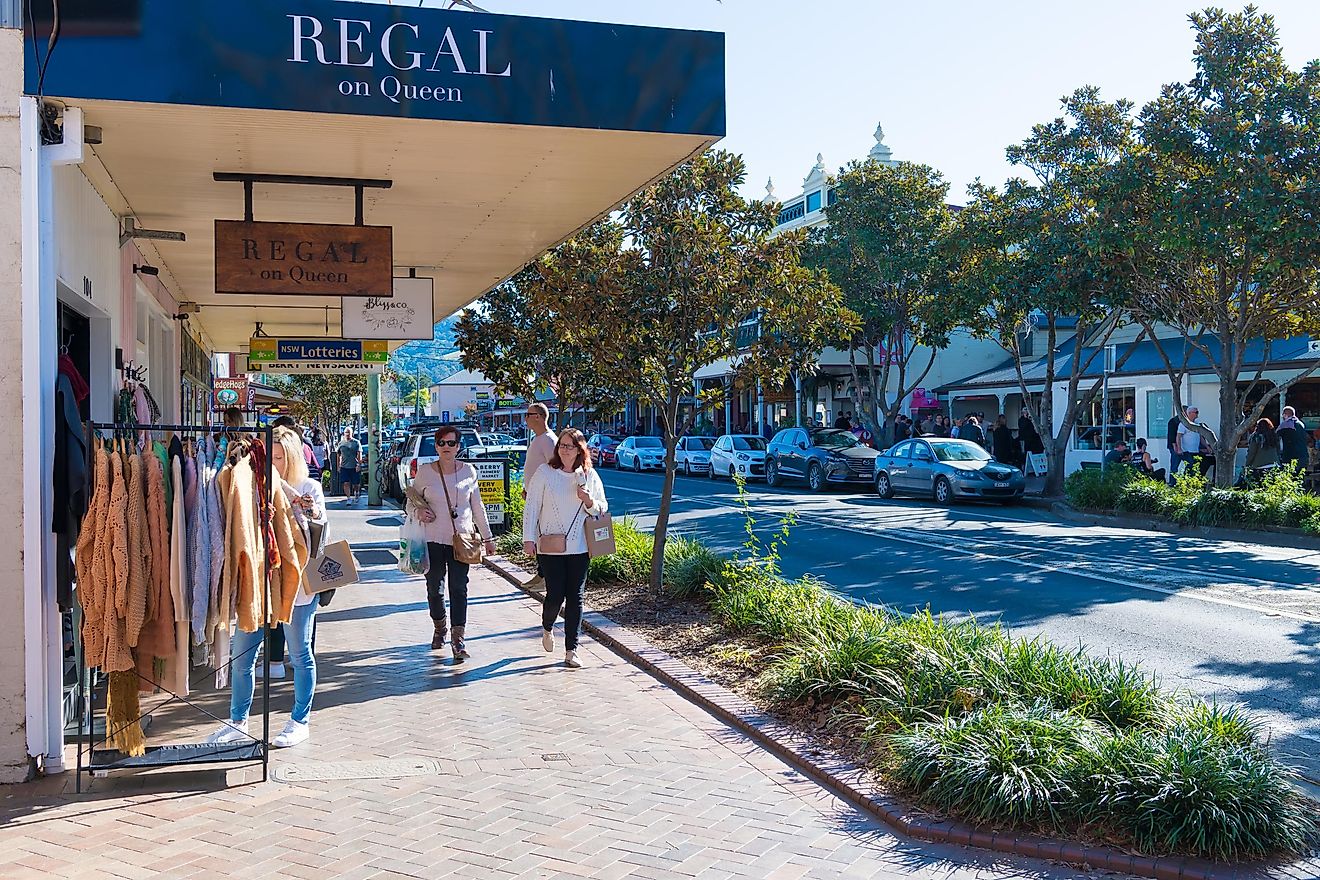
[(554, 756), (367, 558), (333, 770)]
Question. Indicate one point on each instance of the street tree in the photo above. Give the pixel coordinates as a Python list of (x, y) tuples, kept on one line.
[(698, 261), (1215, 221), (514, 334), (1021, 262), (881, 246), (322, 398)]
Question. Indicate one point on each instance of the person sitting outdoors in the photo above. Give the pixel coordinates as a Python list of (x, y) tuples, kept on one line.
[(1144, 462), (1263, 448), (1119, 454)]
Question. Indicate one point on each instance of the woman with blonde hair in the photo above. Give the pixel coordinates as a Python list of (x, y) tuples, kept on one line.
[(308, 503), (559, 498)]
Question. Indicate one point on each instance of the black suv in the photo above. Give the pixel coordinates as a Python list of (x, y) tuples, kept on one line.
[(819, 456)]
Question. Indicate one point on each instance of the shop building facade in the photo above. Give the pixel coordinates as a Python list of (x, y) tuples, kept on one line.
[(131, 138)]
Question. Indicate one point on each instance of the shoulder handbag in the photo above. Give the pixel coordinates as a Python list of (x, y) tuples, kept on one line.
[(557, 542), (469, 547)]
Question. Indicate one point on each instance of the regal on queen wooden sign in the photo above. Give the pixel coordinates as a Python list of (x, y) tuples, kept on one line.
[(303, 259)]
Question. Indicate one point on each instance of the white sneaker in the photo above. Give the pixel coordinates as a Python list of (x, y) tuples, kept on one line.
[(548, 640), (277, 670), (229, 732), (292, 734), (571, 660)]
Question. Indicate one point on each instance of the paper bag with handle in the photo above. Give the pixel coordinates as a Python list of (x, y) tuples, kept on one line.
[(335, 567)]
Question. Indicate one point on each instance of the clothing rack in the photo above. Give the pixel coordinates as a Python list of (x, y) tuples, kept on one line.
[(181, 754)]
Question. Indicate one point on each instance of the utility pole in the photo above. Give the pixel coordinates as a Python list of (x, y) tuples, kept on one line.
[(417, 392), (373, 439)]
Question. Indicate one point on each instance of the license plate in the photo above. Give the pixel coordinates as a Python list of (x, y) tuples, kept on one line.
[(1003, 485)]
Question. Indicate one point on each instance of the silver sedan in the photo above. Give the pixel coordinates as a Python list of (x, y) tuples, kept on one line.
[(946, 470)]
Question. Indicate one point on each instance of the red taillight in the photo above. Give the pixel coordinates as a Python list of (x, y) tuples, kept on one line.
[(412, 469)]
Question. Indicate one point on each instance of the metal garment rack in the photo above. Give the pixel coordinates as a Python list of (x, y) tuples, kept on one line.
[(182, 754)]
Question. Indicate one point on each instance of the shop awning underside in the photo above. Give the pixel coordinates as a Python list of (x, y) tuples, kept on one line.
[(470, 203)]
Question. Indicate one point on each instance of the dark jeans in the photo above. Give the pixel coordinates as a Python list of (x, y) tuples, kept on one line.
[(565, 584), (443, 563)]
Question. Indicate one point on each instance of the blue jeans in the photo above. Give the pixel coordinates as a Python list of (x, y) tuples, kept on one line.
[(298, 632)]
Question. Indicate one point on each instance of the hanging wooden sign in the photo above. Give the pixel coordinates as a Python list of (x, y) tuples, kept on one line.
[(303, 259)]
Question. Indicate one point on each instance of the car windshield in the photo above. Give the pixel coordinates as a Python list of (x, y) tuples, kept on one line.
[(647, 443), (959, 452), (753, 443), (699, 444), (835, 439)]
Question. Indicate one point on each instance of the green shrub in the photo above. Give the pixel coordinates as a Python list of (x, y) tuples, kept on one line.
[(1098, 488), (513, 506), (999, 764), (1197, 789), (1144, 496), (748, 598), (690, 566)]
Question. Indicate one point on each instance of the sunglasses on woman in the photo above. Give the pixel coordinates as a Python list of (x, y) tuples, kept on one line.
[(446, 443)]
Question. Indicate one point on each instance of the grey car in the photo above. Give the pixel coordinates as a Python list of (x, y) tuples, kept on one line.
[(946, 470)]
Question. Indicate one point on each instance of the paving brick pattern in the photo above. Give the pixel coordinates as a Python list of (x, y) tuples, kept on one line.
[(512, 767)]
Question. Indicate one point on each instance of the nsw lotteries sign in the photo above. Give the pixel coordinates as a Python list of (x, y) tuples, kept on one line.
[(270, 355)]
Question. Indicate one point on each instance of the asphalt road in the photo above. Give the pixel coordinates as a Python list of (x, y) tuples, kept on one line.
[(1225, 620)]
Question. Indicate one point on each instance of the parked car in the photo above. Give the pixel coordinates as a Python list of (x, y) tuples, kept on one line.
[(420, 450), (737, 454), (601, 447), (819, 456), (640, 454), (946, 470), (692, 454)]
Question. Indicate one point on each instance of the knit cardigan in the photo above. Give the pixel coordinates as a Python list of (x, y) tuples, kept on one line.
[(292, 543), (157, 638), (139, 552), (88, 563), (242, 576)]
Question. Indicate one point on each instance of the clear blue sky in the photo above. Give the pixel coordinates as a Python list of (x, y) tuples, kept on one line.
[(952, 81)]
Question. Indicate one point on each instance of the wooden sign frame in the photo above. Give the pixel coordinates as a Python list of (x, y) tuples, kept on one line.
[(303, 259)]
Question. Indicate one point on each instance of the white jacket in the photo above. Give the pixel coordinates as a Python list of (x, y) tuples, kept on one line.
[(553, 507)]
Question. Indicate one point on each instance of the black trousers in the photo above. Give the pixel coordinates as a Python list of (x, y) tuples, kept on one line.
[(444, 567), (565, 585)]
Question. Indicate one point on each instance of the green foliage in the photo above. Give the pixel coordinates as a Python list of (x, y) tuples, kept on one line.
[(999, 764), (1097, 488), (880, 246), (1277, 499), (630, 563), (690, 567), (1197, 788)]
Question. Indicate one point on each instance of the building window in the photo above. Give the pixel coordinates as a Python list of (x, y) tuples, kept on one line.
[(813, 201), (831, 195), (790, 213), (1159, 409), (1105, 422)]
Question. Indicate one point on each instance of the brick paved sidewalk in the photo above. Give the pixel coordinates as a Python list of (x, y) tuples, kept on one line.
[(517, 768)]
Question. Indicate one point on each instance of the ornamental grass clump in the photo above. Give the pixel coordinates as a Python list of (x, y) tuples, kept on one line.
[(1197, 788), (999, 764), (690, 567)]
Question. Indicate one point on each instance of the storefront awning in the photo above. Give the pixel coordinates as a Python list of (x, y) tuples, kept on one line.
[(501, 135)]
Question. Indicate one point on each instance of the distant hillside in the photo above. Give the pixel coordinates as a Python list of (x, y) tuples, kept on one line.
[(427, 357)]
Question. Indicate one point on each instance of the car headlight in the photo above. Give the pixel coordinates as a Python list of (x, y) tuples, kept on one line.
[(744, 457), (970, 476)]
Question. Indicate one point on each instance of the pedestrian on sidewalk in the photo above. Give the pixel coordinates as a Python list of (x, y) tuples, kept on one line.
[(350, 450), (559, 498), (308, 502), (453, 503), (540, 448)]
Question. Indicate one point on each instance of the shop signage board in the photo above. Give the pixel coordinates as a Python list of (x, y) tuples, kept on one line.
[(231, 392), (372, 59), (493, 481), (408, 314), (270, 355), (304, 259)]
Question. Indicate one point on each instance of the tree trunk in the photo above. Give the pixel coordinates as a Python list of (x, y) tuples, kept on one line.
[(666, 496)]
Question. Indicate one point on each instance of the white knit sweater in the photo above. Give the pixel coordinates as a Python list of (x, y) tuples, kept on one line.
[(552, 504)]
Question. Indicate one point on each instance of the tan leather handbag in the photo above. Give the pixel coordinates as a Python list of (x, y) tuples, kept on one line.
[(469, 547), (557, 542)]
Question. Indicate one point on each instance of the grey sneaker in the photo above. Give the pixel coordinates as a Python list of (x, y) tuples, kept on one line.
[(571, 660), (548, 640)]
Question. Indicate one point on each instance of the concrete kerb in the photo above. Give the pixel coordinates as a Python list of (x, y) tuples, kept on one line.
[(853, 783), (1288, 539)]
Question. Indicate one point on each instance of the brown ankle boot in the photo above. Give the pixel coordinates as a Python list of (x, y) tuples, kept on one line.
[(441, 633), (459, 645)]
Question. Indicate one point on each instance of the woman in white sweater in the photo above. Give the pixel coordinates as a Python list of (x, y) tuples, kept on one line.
[(453, 500), (560, 496)]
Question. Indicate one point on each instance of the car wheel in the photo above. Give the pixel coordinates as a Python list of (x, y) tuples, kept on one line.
[(883, 487), (710, 472), (687, 469), (637, 465), (943, 491), (816, 477), (772, 474)]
